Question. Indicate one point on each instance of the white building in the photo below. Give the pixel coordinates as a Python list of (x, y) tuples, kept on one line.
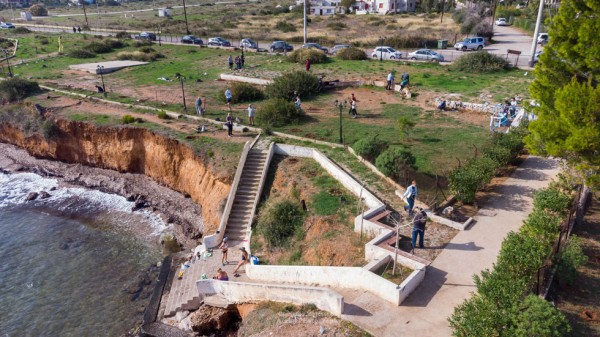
[(323, 7), (384, 6)]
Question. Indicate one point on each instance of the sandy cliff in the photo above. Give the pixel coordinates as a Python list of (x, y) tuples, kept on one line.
[(133, 150)]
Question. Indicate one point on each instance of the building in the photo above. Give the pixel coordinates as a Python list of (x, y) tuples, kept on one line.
[(384, 6), (323, 7)]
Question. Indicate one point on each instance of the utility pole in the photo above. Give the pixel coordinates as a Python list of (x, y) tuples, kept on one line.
[(536, 32), (443, 5), (187, 29), (85, 13), (181, 79), (305, 29), (381, 49), (494, 14)]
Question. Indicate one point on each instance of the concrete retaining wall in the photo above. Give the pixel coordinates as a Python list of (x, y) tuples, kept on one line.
[(240, 292), (235, 78)]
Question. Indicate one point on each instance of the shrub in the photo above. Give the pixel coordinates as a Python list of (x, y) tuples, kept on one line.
[(147, 50), (352, 54), (469, 24), (163, 115), (285, 26), (81, 54), (114, 43), (553, 200), (302, 54), (479, 62), (498, 154), (98, 48), (369, 148), (38, 10), (336, 25), (522, 255), (413, 40), (465, 181), (536, 317), (21, 30), (49, 129), (542, 225), (483, 29), (142, 43), (123, 35), (139, 56), (278, 221), (396, 162), (127, 119), (44, 40), (244, 92), (301, 82), (571, 258), (14, 89), (277, 112)]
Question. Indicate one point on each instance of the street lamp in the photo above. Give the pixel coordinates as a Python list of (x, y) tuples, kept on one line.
[(381, 49), (100, 70), (341, 105), (10, 74), (181, 79)]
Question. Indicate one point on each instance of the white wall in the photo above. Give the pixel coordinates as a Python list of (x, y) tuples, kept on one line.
[(240, 292)]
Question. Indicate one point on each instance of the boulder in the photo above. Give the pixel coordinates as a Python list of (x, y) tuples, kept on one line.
[(44, 195), (31, 196), (208, 320)]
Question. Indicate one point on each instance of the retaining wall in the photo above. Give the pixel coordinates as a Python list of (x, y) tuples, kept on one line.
[(240, 292)]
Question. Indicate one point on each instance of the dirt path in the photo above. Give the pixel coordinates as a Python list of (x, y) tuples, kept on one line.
[(449, 278)]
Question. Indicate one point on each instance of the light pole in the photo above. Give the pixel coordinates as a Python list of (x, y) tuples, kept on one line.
[(381, 49), (187, 29), (536, 32), (341, 105), (100, 70), (10, 74), (181, 79), (85, 13), (305, 29)]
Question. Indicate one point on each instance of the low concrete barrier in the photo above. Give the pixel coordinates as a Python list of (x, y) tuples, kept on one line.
[(244, 79), (240, 292)]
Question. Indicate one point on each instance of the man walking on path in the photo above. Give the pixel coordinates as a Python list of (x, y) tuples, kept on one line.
[(419, 222), (251, 111), (390, 81), (409, 196), (199, 109), (228, 97)]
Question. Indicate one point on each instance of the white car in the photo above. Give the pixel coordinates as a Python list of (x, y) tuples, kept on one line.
[(386, 53), (426, 54), (501, 22), (7, 25)]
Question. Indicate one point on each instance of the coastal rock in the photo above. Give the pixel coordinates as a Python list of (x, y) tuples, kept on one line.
[(133, 289), (44, 195), (208, 320), (31, 196)]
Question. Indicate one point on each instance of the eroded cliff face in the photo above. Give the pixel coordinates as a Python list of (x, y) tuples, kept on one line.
[(133, 150)]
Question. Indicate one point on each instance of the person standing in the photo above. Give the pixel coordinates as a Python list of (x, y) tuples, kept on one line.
[(409, 196), (224, 247), (78, 29), (242, 262), (418, 230), (353, 111), (74, 29), (199, 109), (298, 103), (228, 98), (242, 60), (229, 123), (238, 64), (230, 62), (307, 65), (390, 81), (251, 111), (406, 77)]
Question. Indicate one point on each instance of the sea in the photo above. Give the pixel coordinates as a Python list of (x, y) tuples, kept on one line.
[(66, 261)]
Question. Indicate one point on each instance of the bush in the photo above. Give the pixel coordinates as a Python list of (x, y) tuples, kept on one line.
[(553, 200), (483, 29), (142, 43), (301, 82), (542, 225), (147, 50), (98, 48), (21, 30), (396, 162), (498, 154), (278, 221), (38, 10), (81, 54), (536, 317), (123, 35), (163, 115), (522, 255), (569, 259), (465, 181), (49, 129), (278, 112), (336, 25), (301, 55), (479, 62), (114, 43), (43, 40), (127, 119), (14, 89), (244, 92), (369, 148), (413, 40), (285, 26), (352, 54), (139, 56)]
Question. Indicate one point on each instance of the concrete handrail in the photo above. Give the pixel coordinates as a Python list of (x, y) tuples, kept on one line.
[(240, 292), (213, 240)]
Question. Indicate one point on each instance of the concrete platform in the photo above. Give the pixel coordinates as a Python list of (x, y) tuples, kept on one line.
[(109, 67)]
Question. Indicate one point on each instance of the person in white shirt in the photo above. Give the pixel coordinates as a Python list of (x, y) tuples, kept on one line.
[(390, 81), (409, 196), (251, 111)]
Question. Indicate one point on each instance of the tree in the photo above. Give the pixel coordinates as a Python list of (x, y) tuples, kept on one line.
[(396, 162), (566, 88), (38, 10), (406, 124)]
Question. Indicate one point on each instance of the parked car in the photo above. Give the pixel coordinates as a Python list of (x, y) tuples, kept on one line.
[(6, 25), (248, 43), (542, 38), (426, 54), (501, 22), (386, 53), (218, 41), (146, 36), (474, 43), (315, 46), (339, 47), (280, 46), (191, 39)]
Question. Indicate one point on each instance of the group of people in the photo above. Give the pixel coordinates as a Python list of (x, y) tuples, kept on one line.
[(419, 216), (390, 81), (224, 247), (77, 29), (239, 62)]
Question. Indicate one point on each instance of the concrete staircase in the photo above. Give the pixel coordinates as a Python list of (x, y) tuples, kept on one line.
[(243, 203), (184, 293)]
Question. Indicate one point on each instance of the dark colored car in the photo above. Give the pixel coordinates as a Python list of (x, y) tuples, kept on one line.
[(280, 46), (218, 41), (191, 39), (146, 36)]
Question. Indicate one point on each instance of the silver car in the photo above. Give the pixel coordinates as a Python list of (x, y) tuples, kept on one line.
[(248, 43), (426, 54), (339, 47), (386, 53)]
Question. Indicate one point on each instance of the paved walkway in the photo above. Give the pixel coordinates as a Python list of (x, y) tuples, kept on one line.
[(449, 279)]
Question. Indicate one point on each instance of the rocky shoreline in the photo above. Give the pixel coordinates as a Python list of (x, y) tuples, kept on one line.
[(173, 207)]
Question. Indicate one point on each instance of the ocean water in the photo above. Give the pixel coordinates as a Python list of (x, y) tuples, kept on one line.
[(66, 261)]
